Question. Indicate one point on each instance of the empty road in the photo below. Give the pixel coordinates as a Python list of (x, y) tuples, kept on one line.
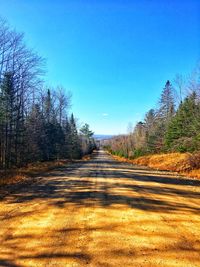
[(101, 213)]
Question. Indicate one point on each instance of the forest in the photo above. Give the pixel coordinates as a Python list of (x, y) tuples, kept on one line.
[(35, 124), (172, 126), (99, 133)]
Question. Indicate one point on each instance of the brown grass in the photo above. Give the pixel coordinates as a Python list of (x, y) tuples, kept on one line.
[(183, 163), (167, 162), (19, 175)]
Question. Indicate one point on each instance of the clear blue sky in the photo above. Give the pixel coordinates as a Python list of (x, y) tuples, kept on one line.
[(114, 56)]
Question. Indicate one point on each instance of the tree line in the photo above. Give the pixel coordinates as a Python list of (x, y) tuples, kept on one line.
[(35, 124), (173, 126)]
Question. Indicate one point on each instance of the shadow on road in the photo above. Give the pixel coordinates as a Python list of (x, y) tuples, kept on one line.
[(114, 190), (77, 185)]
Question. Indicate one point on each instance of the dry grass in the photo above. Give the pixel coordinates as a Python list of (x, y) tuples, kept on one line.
[(167, 162), (194, 173), (33, 169), (183, 163), (19, 175)]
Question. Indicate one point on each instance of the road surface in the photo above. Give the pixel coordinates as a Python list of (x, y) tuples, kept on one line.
[(101, 213)]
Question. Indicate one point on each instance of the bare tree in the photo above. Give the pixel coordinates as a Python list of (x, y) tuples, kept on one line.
[(64, 103)]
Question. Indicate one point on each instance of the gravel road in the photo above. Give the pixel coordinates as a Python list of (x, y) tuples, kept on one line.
[(101, 213)]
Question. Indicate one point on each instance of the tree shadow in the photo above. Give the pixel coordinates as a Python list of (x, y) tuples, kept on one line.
[(105, 185), (92, 183), (7, 263)]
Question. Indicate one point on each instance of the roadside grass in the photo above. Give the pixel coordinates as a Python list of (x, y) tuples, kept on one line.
[(18, 175), (183, 163), (33, 169)]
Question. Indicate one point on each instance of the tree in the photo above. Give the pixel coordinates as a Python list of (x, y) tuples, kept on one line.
[(48, 107), (185, 125), (8, 120), (32, 119), (86, 131), (35, 135), (150, 122), (87, 142), (166, 108), (164, 114), (140, 135), (75, 141), (63, 103), (19, 72)]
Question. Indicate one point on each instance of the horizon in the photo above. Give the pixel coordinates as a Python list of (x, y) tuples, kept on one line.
[(114, 56)]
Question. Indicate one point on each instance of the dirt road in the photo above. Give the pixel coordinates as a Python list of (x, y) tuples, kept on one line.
[(101, 213)]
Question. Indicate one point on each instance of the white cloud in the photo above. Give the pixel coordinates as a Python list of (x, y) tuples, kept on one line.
[(104, 114)]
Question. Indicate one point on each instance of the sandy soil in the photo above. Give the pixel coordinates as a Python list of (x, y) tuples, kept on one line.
[(101, 213)]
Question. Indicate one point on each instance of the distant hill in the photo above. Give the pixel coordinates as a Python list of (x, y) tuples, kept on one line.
[(102, 136)]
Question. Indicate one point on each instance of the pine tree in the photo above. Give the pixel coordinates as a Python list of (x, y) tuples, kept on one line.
[(67, 148), (87, 142), (48, 108), (164, 115), (185, 125), (8, 115), (35, 135), (85, 130), (74, 139), (59, 140), (166, 103), (150, 125)]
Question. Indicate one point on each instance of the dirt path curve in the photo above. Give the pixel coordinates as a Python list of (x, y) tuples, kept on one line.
[(102, 213)]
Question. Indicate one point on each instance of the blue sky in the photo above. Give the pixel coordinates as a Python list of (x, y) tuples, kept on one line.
[(114, 56)]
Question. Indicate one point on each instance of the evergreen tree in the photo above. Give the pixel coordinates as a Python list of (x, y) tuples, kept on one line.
[(35, 135), (150, 125), (32, 125), (74, 139), (48, 107), (164, 114), (53, 131), (185, 126), (8, 116), (166, 104), (86, 131), (87, 142)]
